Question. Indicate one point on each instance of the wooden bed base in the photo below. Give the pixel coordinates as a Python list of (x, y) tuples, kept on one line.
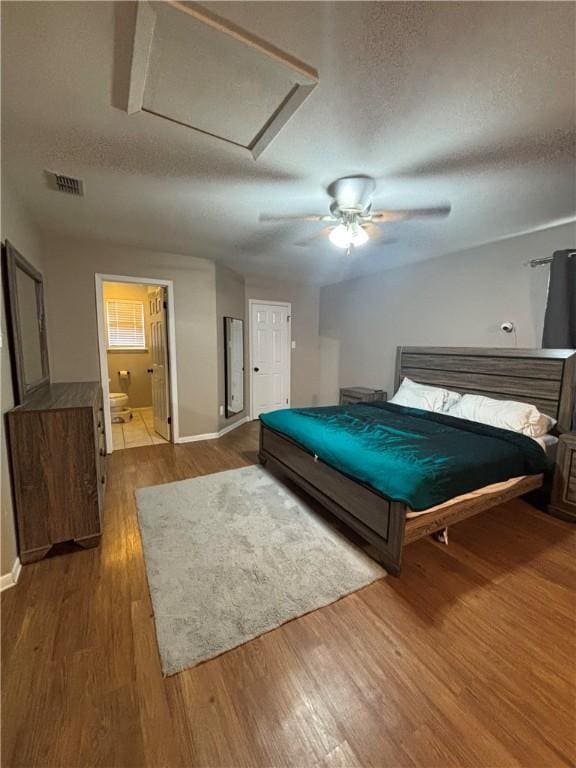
[(380, 522), (544, 377)]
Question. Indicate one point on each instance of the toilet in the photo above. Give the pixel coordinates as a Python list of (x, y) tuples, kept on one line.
[(119, 410)]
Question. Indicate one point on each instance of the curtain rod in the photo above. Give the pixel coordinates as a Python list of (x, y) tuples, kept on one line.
[(547, 260)]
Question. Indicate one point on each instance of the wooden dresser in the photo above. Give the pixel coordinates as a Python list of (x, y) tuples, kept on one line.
[(58, 453)]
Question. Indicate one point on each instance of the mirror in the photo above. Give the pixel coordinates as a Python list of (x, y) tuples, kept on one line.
[(26, 326), (234, 365)]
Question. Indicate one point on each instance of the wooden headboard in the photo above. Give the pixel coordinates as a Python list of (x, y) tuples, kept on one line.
[(544, 377)]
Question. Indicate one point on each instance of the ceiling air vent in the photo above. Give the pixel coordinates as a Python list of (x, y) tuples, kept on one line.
[(66, 184)]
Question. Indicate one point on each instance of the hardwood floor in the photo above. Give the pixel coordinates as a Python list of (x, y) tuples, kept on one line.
[(469, 659)]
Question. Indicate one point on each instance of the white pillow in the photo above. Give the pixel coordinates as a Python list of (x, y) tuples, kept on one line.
[(506, 414), (426, 398)]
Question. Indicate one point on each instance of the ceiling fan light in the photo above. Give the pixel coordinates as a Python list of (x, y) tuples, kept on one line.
[(339, 236), (345, 235)]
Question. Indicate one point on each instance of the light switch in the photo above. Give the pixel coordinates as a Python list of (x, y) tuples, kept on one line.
[(293, 345)]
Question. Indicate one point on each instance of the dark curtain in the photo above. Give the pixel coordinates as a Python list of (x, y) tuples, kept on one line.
[(560, 317)]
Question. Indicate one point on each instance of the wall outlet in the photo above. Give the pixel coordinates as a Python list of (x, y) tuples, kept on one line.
[(221, 410)]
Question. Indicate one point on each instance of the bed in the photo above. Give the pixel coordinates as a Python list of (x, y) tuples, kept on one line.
[(545, 378)]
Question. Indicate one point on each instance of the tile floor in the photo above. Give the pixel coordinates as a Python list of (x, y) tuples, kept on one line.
[(137, 432)]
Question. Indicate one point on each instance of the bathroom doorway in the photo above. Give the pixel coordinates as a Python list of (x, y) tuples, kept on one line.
[(135, 331)]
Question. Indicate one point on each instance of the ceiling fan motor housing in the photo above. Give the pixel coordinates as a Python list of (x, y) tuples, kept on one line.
[(350, 213)]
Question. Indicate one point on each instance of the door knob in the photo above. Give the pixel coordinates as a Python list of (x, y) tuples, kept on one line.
[(256, 370), (150, 370)]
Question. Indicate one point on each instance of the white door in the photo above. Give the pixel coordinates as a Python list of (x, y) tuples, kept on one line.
[(270, 357), (159, 349)]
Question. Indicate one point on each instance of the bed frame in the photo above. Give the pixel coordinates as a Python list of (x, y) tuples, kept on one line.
[(544, 377)]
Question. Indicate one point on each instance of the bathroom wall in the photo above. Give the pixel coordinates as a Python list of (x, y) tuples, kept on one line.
[(139, 386)]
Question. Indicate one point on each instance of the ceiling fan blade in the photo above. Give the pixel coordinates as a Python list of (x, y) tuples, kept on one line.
[(376, 235), (372, 231), (303, 217), (411, 213), (352, 191), (324, 232)]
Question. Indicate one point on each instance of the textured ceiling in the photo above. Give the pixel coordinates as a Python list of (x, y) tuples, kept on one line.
[(468, 103)]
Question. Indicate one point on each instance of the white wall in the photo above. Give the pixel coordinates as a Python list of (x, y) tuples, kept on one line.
[(203, 293), (454, 300), (70, 266), (18, 228)]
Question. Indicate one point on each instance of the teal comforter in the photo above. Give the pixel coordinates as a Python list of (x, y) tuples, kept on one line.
[(416, 457)]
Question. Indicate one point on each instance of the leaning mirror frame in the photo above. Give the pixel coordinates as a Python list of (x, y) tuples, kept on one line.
[(233, 366), (13, 264)]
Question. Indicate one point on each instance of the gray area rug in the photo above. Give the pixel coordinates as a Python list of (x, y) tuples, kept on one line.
[(232, 555)]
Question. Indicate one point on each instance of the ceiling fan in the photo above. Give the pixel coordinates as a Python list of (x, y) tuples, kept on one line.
[(353, 220)]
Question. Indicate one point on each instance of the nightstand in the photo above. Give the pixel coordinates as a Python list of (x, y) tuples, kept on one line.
[(563, 499), (350, 395)]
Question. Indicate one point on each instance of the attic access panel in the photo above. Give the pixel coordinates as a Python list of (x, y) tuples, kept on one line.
[(197, 69)]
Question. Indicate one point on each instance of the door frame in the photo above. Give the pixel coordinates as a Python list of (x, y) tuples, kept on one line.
[(288, 306), (100, 279)]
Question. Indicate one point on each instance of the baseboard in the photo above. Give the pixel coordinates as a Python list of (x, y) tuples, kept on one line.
[(10, 579), (230, 427), (197, 438), (213, 435)]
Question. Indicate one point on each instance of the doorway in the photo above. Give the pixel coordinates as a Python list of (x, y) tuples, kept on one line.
[(136, 348), (270, 350)]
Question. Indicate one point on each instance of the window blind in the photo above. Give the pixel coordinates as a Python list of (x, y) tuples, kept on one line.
[(125, 320)]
